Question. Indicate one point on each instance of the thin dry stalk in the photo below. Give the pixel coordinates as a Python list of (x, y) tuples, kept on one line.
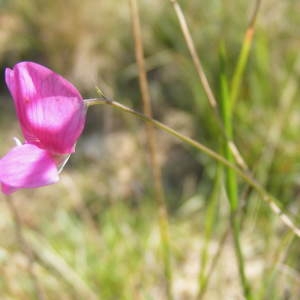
[(25, 247), (224, 118), (204, 81), (151, 138), (254, 15), (271, 201), (196, 60)]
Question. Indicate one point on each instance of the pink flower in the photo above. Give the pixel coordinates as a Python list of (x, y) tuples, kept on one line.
[(52, 115)]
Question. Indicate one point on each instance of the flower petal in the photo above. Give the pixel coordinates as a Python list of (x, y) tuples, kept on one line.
[(50, 109), (55, 123), (29, 79), (27, 166)]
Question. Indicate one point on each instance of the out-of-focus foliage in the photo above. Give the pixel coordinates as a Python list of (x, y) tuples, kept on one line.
[(101, 219)]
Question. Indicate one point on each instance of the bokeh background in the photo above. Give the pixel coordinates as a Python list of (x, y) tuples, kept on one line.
[(96, 231)]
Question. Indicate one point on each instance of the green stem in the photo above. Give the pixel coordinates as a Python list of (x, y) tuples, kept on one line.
[(230, 176), (241, 64), (243, 57), (269, 199), (235, 227)]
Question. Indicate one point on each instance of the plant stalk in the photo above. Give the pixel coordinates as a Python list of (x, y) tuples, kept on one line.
[(231, 183), (272, 202), (152, 145)]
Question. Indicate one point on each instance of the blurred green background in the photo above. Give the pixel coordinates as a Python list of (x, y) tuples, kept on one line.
[(96, 231)]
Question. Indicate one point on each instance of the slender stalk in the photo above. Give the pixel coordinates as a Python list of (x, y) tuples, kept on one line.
[(204, 285), (224, 118), (272, 202), (205, 83), (24, 246), (231, 184), (228, 103), (196, 60), (151, 138), (243, 57)]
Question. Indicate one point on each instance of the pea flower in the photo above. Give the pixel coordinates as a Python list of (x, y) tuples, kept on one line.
[(51, 114)]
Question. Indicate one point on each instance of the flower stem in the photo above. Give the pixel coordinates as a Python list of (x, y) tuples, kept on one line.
[(245, 175)]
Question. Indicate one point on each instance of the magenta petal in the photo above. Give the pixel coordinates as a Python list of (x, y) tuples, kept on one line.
[(6, 189), (55, 123), (27, 166), (30, 80), (50, 109)]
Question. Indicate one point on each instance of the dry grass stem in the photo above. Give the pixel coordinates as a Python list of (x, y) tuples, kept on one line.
[(204, 81), (255, 14), (151, 138), (269, 199), (196, 60)]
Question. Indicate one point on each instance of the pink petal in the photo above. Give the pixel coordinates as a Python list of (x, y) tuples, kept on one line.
[(6, 189), (27, 166), (50, 109), (55, 123), (29, 79)]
